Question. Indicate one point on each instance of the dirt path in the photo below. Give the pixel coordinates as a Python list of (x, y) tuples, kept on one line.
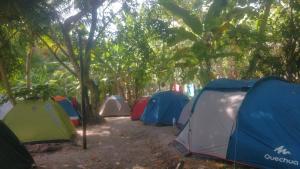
[(120, 143)]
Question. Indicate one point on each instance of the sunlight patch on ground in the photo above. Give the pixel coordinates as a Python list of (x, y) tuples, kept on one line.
[(138, 167), (104, 133), (116, 118)]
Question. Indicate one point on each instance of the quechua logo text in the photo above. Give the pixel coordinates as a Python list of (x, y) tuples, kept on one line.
[(281, 156)]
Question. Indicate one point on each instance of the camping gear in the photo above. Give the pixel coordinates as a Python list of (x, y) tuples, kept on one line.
[(259, 128), (69, 109), (114, 106), (5, 108), (13, 154), (39, 121), (163, 107), (139, 108)]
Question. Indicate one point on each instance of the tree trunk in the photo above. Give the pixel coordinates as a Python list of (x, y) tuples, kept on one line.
[(93, 115), (66, 27), (136, 91), (128, 90), (28, 67), (159, 88), (5, 82)]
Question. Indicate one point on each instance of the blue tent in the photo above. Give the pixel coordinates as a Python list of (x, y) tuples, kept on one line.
[(163, 107), (69, 109), (67, 106), (259, 127)]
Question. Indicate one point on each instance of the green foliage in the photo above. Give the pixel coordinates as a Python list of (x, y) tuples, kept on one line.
[(192, 21), (178, 35), (144, 46), (12, 48), (36, 92)]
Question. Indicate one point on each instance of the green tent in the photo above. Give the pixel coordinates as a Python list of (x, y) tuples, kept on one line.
[(39, 121), (13, 154)]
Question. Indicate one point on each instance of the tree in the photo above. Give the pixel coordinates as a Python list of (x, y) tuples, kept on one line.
[(18, 18), (62, 37)]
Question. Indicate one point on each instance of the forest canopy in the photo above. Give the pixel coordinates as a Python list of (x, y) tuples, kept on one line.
[(135, 47)]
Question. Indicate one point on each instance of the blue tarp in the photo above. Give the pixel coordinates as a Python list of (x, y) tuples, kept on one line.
[(267, 133), (163, 107)]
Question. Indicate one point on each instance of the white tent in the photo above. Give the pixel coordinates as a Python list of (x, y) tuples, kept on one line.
[(210, 118), (209, 127), (115, 106)]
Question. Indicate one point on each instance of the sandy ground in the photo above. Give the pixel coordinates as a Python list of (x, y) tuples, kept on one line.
[(120, 143)]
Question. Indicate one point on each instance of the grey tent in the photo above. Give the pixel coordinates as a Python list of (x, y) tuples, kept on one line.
[(114, 106), (212, 118), (185, 113)]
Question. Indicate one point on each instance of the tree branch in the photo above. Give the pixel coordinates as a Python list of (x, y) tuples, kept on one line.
[(69, 46), (106, 24), (90, 39), (58, 59), (69, 22)]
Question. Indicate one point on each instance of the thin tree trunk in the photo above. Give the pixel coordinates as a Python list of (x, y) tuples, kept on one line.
[(94, 101), (129, 93), (28, 67), (136, 91), (5, 82), (159, 88)]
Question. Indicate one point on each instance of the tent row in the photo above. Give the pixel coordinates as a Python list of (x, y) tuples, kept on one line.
[(163, 108), (249, 122), (253, 122)]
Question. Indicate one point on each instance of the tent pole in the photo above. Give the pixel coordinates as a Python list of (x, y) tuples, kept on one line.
[(83, 97)]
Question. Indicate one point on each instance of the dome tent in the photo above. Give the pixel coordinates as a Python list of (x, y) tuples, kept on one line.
[(39, 121), (139, 107), (114, 106), (163, 107), (185, 113), (69, 109), (13, 155), (259, 128)]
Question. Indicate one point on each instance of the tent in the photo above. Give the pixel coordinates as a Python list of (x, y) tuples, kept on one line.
[(164, 107), (115, 106), (5, 108), (13, 154), (39, 121), (185, 113), (68, 108), (259, 127), (139, 108)]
